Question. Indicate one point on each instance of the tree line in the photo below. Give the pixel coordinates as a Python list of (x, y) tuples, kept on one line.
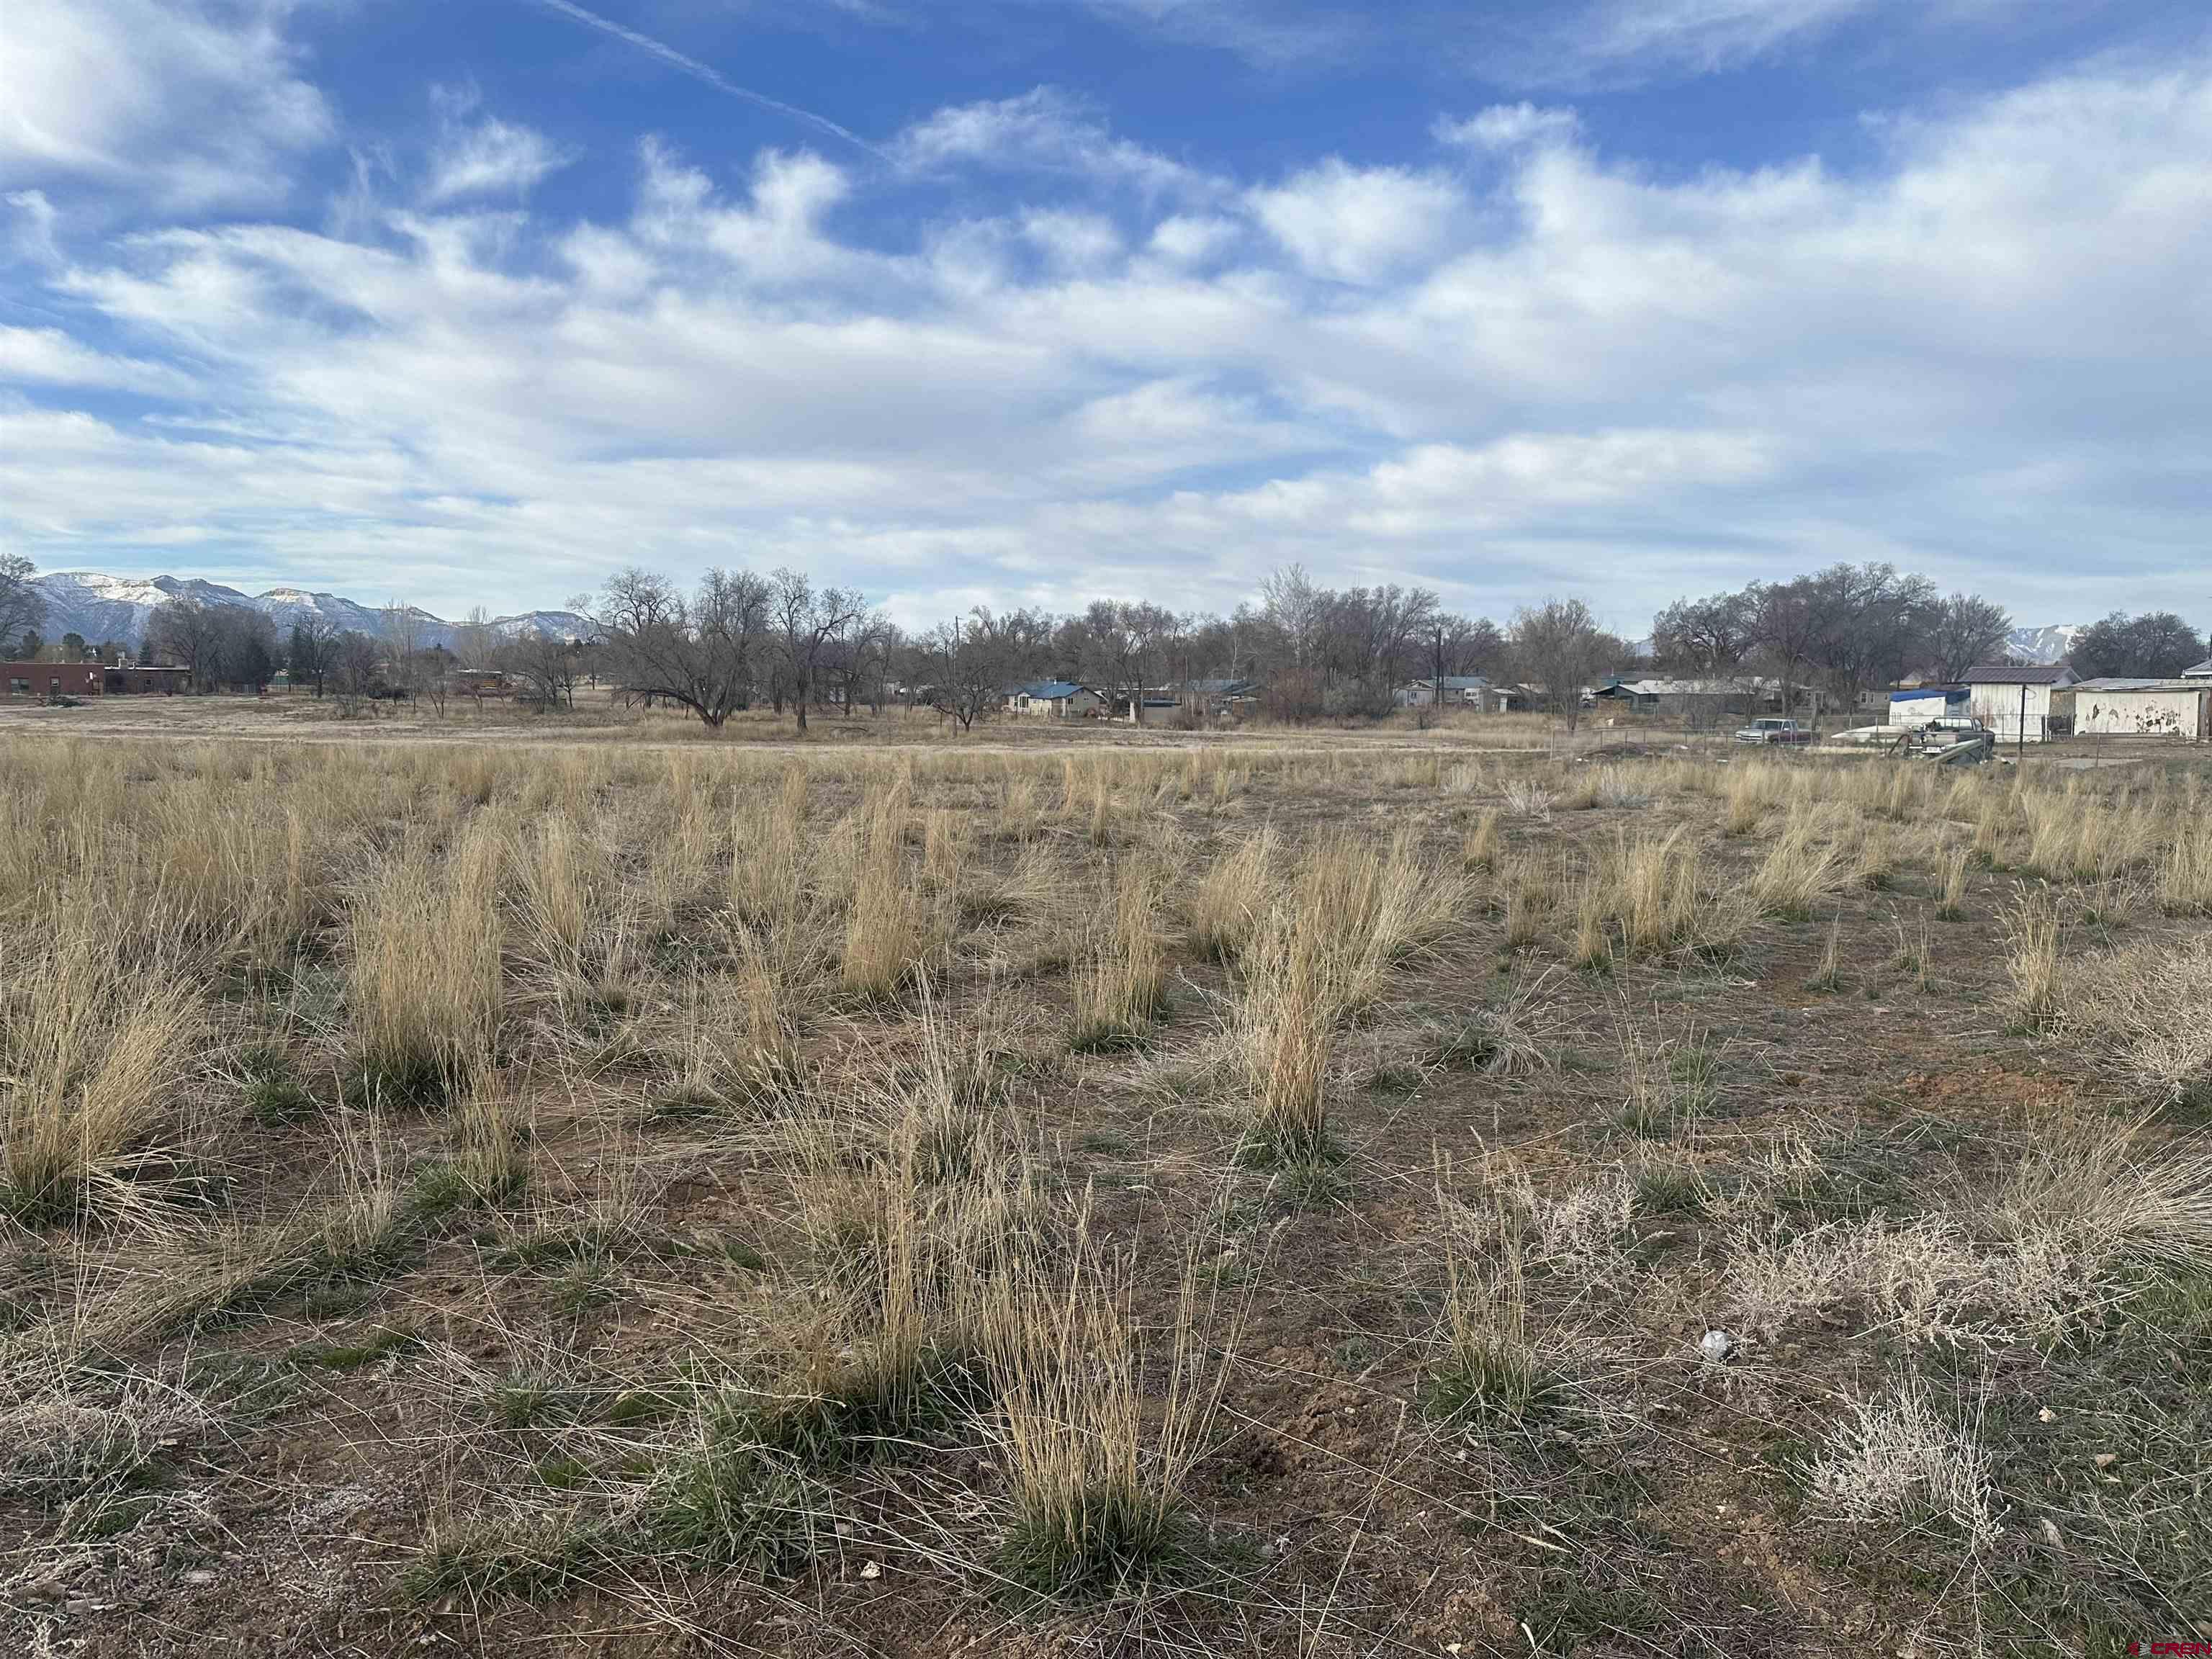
[(738, 640)]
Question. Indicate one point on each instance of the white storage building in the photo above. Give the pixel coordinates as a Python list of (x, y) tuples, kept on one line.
[(2014, 702), (2143, 708)]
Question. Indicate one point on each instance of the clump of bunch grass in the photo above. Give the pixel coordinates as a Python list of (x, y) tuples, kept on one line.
[(424, 985), (1752, 788), (1369, 914), (2184, 875), (1488, 1373), (1531, 887), (768, 857), (1121, 986), (2031, 960), (1828, 976), (1233, 894), (1654, 879), (2144, 1013), (1592, 948), (725, 1499), (1484, 844), (92, 1051), (885, 935), (1804, 865), (480, 1559), (1287, 1017), (491, 1142), (1952, 904), (1097, 1476)]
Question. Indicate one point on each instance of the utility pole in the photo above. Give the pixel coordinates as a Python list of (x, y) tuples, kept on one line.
[(2020, 737), (1440, 671)]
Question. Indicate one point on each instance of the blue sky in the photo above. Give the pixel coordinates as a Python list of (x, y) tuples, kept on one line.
[(1039, 301)]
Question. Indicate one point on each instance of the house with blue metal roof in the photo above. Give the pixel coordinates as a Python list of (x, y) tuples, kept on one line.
[(1054, 700)]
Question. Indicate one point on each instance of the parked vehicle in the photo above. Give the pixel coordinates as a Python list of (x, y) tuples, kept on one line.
[(1773, 731)]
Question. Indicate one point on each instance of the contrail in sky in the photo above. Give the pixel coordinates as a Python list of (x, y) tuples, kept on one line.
[(707, 72)]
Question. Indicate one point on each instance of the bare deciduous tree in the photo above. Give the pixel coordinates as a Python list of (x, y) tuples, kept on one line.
[(355, 673), (1963, 631), (22, 607), (313, 643), (805, 620), (1559, 646), (699, 651)]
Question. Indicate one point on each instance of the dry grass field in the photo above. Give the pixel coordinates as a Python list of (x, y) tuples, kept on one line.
[(1061, 1196)]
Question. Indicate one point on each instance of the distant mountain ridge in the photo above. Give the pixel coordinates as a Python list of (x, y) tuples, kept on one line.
[(103, 607), (2052, 644)]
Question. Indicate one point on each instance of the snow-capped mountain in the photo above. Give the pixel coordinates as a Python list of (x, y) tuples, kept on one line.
[(102, 607), (2051, 644)]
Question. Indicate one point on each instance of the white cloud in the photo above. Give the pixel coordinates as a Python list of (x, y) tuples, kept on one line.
[(492, 157), (1191, 239), (1360, 224), (1629, 42), (47, 356), (28, 224), (1976, 355), (777, 237), (1267, 33), (1043, 130), (1708, 34), (1509, 126), (189, 104)]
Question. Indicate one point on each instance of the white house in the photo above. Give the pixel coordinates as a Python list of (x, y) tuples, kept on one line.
[(2131, 707), (2016, 702), (1460, 692), (2202, 671)]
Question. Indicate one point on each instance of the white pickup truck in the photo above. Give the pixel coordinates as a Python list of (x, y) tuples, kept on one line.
[(1772, 731)]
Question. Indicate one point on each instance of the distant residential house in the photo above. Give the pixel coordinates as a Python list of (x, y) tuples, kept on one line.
[(1707, 701), (2202, 671), (2015, 701), (2178, 707), (1215, 698), (1054, 700), (1460, 692)]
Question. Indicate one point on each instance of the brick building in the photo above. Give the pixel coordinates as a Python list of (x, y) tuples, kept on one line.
[(89, 679)]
